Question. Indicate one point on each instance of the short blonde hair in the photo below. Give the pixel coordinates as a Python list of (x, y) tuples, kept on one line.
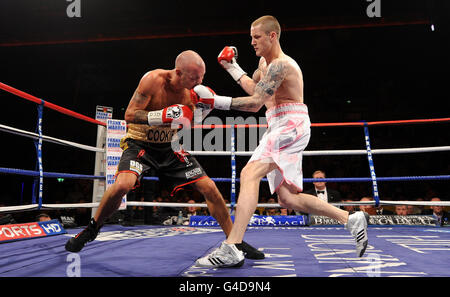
[(269, 24)]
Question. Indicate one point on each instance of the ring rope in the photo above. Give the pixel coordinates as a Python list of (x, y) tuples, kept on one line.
[(35, 136), (47, 104), (204, 205), (225, 179)]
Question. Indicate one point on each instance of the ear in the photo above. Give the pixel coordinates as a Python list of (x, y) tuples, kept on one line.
[(273, 35), (178, 72)]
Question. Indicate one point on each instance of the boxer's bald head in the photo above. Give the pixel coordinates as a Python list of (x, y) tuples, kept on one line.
[(189, 59), (191, 68)]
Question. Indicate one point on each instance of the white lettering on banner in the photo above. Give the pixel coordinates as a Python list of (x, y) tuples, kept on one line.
[(20, 231), (51, 228), (36, 230)]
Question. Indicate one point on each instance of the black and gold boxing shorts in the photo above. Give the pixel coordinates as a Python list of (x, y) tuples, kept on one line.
[(176, 169)]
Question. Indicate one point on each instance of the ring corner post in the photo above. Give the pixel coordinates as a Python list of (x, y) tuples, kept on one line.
[(373, 176), (38, 144), (233, 170)]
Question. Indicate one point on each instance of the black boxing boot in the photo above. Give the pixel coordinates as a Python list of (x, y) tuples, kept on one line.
[(76, 244), (249, 251)]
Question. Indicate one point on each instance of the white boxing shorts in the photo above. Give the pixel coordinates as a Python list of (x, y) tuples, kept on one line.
[(288, 133)]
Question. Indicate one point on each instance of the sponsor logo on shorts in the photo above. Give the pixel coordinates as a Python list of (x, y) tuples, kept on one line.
[(193, 173), (136, 167)]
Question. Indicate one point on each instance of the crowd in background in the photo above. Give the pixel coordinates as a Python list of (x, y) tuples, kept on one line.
[(81, 192)]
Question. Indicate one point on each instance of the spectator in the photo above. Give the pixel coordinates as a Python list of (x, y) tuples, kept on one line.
[(272, 211), (401, 210), (418, 210), (382, 210), (321, 191), (43, 217), (439, 213), (370, 209), (192, 210), (6, 219), (412, 210)]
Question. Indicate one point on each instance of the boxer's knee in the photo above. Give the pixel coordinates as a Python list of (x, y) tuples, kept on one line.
[(208, 189), (124, 183)]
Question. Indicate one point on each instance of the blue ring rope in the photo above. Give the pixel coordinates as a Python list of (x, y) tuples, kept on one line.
[(225, 179)]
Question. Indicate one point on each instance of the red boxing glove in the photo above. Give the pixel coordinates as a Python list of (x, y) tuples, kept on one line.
[(227, 58), (177, 113), (228, 54), (207, 99), (196, 99)]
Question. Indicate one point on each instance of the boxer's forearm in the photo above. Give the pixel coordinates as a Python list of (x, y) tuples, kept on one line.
[(247, 84), (250, 103), (140, 117)]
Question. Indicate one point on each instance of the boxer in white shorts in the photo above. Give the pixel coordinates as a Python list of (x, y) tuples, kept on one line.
[(277, 84), (283, 143)]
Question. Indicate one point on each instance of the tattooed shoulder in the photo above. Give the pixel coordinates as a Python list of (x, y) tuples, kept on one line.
[(276, 73)]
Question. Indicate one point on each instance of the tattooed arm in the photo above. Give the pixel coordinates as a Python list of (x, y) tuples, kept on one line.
[(248, 84), (264, 89), (136, 112)]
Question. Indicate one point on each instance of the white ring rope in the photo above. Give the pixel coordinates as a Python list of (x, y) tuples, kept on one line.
[(50, 139), (204, 205), (238, 153)]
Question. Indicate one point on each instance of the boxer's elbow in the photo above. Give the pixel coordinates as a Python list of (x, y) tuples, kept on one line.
[(129, 116), (136, 116)]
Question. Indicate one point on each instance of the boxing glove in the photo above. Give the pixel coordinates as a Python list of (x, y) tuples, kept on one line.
[(177, 113), (227, 58), (207, 99)]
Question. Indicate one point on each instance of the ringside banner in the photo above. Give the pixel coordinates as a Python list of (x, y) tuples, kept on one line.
[(206, 221), (30, 230), (411, 220)]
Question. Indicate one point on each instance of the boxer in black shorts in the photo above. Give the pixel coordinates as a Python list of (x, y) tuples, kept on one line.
[(161, 102), (177, 168)]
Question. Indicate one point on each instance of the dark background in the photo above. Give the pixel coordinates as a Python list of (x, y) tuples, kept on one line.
[(355, 68)]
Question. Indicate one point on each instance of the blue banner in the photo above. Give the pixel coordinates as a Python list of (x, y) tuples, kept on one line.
[(271, 221)]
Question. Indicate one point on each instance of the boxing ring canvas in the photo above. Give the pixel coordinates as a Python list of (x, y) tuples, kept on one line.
[(171, 251)]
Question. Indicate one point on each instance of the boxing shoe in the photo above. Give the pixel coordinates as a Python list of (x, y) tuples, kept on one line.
[(76, 244), (357, 225), (249, 251), (227, 255)]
